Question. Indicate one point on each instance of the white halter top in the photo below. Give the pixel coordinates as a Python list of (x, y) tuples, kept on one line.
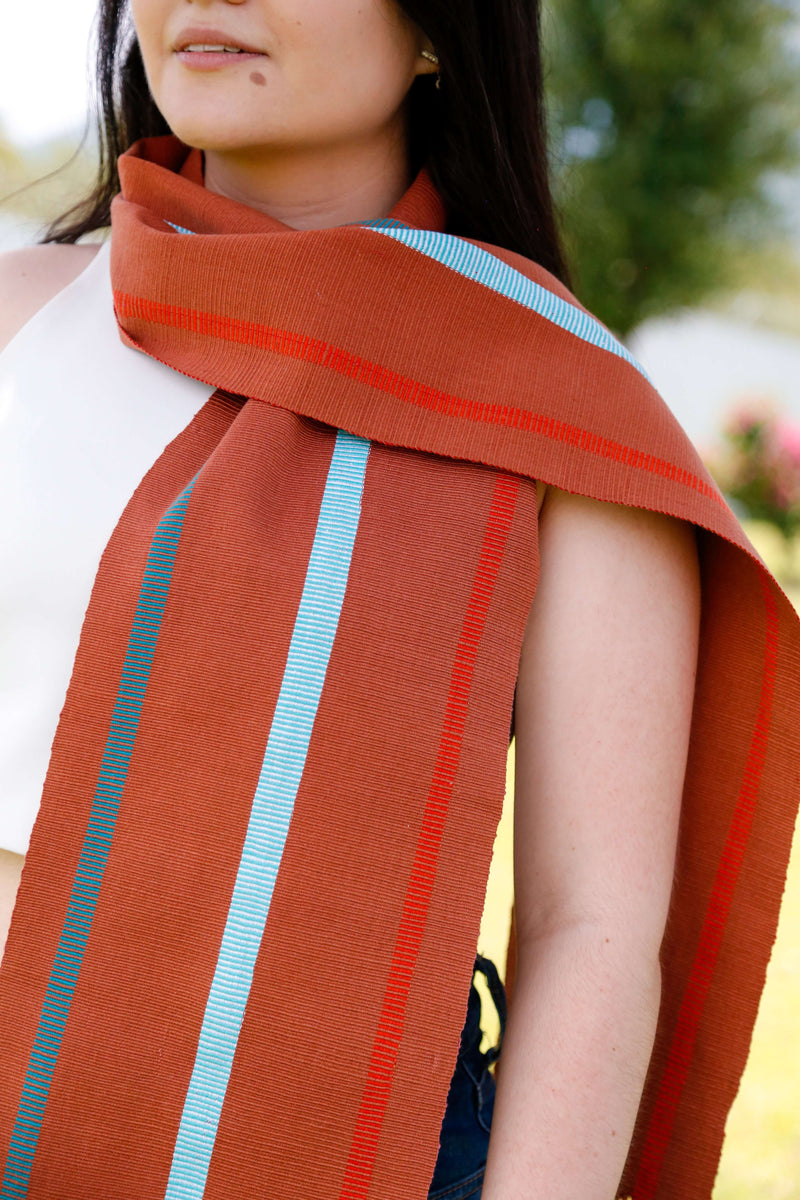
[(82, 419)]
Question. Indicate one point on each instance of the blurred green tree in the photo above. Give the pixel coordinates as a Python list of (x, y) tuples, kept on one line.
[(668, 119)]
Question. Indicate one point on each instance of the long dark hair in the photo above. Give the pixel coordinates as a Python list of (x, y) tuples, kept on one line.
[(482, 134)]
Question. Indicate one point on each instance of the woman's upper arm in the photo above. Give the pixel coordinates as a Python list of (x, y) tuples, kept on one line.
[(603, 712), (32, 276)]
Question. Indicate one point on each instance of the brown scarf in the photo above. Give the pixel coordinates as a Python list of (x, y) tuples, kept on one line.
[(301, 651)]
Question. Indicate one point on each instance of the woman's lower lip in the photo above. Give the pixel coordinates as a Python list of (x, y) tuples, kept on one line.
[(210, 60)]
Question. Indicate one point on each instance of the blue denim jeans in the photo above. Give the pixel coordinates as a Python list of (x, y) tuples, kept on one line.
[(464, 1136)]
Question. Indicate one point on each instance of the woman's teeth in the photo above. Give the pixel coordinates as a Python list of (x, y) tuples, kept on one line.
[(208, 49)]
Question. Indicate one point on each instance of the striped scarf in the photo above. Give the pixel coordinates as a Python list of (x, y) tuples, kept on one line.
[(241, 952)]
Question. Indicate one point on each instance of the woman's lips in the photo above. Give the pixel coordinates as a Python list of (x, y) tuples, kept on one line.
[(212, 60)]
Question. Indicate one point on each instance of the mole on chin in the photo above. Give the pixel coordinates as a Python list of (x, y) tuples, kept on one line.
[(257, 77)]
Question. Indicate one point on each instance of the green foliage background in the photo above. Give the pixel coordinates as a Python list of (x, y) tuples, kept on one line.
[(668, 117)]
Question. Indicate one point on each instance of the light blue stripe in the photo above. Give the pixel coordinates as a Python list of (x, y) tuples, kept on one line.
[(96, 846), (482, 267), (273, 803), (180, 228)]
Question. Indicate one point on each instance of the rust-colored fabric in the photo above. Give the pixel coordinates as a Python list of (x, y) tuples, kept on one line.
[(301, 651)]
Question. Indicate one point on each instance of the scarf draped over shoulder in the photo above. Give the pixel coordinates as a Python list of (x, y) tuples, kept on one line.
[(240, 957)]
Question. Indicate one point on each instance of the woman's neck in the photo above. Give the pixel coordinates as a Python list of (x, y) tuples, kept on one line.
[(317, 188)]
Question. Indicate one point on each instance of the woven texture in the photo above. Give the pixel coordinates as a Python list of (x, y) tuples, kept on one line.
[(300, 653)]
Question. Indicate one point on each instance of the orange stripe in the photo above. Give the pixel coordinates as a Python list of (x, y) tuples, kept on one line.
[(389, 1035), (673, 1081), (323, 354), (363, 1148)]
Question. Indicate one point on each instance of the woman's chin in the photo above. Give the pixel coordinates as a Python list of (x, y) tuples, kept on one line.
[(215, 135)]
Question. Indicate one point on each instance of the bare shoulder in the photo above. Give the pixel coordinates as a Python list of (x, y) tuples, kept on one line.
[(577, 514), (33, 275), (597, 548), (10, 874)]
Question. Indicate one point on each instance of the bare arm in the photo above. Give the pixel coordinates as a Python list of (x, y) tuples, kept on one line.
[(603, 712)]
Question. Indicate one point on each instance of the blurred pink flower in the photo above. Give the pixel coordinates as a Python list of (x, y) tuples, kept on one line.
[(748, 416), (758, 465), (788, 439)]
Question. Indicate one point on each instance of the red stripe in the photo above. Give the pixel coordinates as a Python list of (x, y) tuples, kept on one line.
[(674, 1079), (377, 1089), (323, 354)]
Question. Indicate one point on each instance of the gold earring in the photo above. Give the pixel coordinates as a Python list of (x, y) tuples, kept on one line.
[(431, 57)]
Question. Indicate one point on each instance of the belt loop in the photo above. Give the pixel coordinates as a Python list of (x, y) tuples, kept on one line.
[(498, 994)]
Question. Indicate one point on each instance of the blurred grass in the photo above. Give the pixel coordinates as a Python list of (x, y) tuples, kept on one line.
[(761, 1154)]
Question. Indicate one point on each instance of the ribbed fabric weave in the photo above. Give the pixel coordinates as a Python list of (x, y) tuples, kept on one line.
[(301, 648)]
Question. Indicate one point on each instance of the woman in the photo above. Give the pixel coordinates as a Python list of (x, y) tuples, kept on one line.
[(336, 860)]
